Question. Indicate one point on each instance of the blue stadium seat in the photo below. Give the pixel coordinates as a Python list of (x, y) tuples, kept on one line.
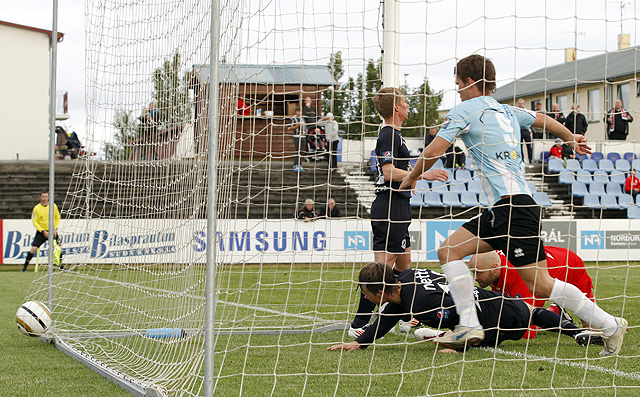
[(609, 202), (629, 156), (416, 199), (413, 162), (579, 189), (566, 177), (555, 165), (591, 201), (573, 165), (638, 199), (374, 161), (432, 199), (450, 174), (597, 156), (542, 199), (613, 188), (438, 165), (589, 165), (633, 212), (422, 186), (469, 199), (532, 187), (617, 176), (600, 176), (596, 189), (457, 187), (463, 175), (581, 157), (613, 156), (606, 165), (451, 200), (636, 165), (625, 200), (439, 187), (583, 176), (544, 156), (474, 186), (623, 165)]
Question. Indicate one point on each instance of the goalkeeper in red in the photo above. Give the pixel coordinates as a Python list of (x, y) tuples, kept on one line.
[(491, 132), (40, 219)]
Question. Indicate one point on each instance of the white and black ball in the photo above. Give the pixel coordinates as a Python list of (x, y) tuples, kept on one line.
[(33, 318)]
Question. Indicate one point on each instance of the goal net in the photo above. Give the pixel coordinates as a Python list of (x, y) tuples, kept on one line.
[(131, 301)]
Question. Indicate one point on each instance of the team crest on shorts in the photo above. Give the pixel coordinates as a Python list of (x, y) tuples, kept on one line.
[(443, 314)]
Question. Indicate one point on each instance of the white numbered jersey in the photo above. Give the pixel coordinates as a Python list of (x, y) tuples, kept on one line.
[(491, 132)]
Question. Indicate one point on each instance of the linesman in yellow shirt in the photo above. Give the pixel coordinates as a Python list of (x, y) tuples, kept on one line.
[(40, 219)]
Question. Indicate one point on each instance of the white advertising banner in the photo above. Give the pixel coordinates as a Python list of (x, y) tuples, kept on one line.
[(286, 241)]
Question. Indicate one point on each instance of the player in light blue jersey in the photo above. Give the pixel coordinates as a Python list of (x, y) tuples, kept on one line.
[(491, 131)]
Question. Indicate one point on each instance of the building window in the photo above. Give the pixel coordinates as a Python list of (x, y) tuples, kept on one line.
[(576, 98), (638, 88), (608, 96), (562, 103), (624, 94), (593, 98)]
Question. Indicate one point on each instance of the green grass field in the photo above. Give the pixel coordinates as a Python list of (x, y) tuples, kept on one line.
[(300, 364)]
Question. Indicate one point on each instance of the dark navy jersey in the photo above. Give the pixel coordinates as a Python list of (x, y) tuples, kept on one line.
[(391, 148), (425, 296)]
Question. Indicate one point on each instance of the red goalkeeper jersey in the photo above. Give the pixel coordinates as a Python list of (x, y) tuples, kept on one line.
[(563, 264)]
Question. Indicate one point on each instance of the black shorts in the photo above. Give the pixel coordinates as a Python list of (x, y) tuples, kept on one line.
[(40, 239), (513, 313), (390, 220), (513, 226)]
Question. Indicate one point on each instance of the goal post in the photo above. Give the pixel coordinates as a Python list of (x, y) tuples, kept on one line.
[(203, 252)]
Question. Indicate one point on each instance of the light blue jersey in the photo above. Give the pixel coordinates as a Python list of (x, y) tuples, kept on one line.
[(491, 132)]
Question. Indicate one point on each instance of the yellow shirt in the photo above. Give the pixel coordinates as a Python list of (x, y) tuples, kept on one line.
[(40, 217)]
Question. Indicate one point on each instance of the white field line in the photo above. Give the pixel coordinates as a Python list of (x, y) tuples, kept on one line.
[(575, 364), (266, 310)]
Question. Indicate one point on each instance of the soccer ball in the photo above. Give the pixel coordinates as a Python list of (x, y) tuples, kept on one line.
[(33, 318)]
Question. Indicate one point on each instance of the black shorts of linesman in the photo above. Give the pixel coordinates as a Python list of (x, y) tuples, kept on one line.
[(390, 211)]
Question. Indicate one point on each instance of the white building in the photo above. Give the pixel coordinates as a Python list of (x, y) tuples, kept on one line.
[(24, 103)]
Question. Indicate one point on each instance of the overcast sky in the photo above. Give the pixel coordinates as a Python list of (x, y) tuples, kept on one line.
[(520, 36)]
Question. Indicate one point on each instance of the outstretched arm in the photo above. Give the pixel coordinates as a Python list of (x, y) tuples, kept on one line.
[(429, 156), (578, 142)]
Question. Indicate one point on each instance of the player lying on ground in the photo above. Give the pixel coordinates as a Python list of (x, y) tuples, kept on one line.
[(491, 132), (492, 269), (423, 294)]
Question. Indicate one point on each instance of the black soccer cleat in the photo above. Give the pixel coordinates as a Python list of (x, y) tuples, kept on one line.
[(587, 337)]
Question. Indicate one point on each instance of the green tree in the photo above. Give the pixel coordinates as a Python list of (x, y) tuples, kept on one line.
[(127, 129), (171, 92), (423, 108), (336, 100)]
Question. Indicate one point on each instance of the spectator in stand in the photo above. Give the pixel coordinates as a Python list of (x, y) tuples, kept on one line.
[(556, 149), (632, 184), (149, 120), (331, 211), (567, 152), (536, 132), (557, 115), (576, 122), (243, 108), (299, 139), (310, 115), (617, 121), (331, 135), (525, 136), (306, 212), (430, 135)]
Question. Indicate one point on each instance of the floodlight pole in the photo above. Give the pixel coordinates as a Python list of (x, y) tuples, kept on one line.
[(390, 44), (212, 202), (52, 152)]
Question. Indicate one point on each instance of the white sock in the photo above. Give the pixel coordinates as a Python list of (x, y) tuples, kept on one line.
[(571, 298), (461, 290)]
